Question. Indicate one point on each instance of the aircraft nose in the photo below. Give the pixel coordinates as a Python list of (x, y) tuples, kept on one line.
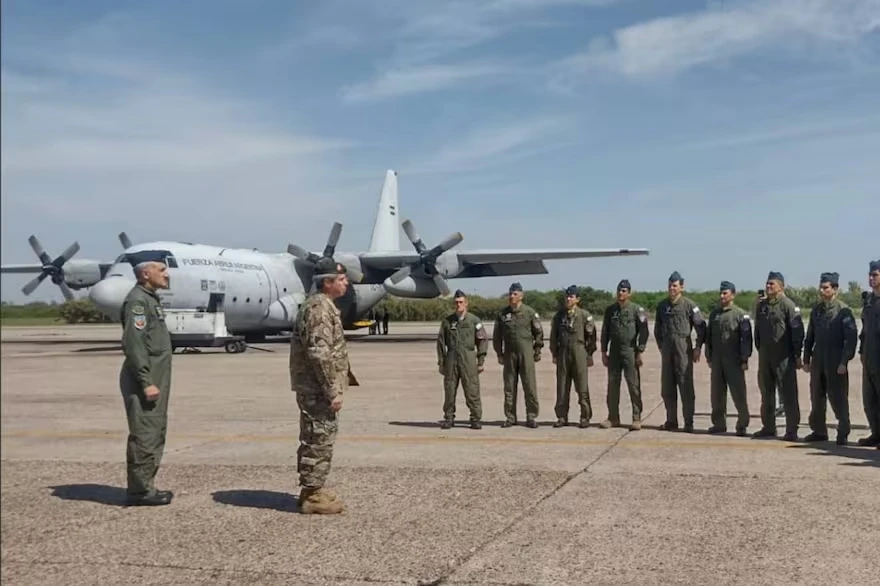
[(108, 295)]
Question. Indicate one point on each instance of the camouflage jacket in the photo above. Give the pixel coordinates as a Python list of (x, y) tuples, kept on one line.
[(318, 355)]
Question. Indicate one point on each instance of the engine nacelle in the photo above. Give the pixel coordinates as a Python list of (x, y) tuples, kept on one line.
[(81, 273), (413, 288)]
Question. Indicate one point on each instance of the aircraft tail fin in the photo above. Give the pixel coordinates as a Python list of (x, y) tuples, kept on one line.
[(386, 228)]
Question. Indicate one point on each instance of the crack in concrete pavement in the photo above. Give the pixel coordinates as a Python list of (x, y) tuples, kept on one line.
[(457, 564)]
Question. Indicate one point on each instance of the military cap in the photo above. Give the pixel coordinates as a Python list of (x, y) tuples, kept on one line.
[(624, 284), (142, 256), (728, 286), (775, 276), (459, 293), (572, 290), (515, 287), (327, 268), (675, 276), (874, 266), (833, 278)]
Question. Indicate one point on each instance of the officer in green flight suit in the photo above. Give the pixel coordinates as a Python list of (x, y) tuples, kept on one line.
[(728, 349), (831, 341), (518, 339), (623, 339), (676, 317), (779, 339), (145, 377), (572, 345), (462, 344), (869, 349)]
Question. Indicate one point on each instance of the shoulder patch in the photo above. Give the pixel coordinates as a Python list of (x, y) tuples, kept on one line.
[(589, 318), (797, 309), (746, 317), (696, 309), (537, 316), (479, 325), (140, 321), (138, 308)]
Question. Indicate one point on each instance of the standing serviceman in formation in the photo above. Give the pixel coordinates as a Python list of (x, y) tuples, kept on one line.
[(319, 375), (624, 337), (870, 356), (779, 339), (832, 338), (728, 349), (572, 344), (518, 339), (675, 318), (145, 378), (462, 345)]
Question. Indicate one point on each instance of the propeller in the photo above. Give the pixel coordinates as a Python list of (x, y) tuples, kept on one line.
[(125, 240), (51, 268), (427, 258), (312, 258)]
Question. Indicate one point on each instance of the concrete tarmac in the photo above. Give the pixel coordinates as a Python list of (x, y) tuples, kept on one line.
[(425, 505)]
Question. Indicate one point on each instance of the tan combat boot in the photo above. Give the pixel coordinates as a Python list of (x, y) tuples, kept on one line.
[(318, 501), (636, 425)]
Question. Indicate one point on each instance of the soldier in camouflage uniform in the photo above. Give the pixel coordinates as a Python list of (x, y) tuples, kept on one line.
[(462, 345), (675, 318), (624, 337), (319, 375), (831, 341), (869, 349), (779, 339), (728, 349), (145, 377), (518, 339), (572, 345)]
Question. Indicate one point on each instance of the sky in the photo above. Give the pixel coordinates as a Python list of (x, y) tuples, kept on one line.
[(730, 138)]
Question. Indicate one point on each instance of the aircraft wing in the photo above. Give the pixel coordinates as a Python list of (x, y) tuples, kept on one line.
[(21, 268), (533, 256)]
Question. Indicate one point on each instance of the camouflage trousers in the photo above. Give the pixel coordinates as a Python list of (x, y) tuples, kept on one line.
[(317, 434)]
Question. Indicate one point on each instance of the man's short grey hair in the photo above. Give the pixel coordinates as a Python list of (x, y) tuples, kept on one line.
[(140, 268)]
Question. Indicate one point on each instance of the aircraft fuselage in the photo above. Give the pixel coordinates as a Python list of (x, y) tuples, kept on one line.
[(261, 291)]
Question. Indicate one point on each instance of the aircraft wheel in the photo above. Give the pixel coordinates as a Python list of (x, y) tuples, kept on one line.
[(242, 345), (232, 347)]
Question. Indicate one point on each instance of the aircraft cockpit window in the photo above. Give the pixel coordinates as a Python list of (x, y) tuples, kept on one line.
[(171, 262), (119, 259)]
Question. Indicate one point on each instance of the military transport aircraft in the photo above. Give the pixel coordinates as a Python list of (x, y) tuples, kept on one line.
[(261, 291)]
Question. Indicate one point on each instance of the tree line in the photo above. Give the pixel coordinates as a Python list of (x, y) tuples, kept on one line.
[(487, 308)]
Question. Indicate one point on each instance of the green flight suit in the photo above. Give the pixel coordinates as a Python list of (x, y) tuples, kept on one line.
[(462, 345), (728, 349), (831, 341), (673, 323), (146, 344), (572, 345), (779, 339), (869, 349), (518, 339), (624, 337)]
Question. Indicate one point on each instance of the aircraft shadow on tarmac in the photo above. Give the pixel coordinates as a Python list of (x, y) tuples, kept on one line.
[(96, 493), (258, 499), (869, 457)]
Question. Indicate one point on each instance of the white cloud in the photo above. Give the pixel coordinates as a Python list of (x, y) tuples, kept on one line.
[(673, 44), (425, 78), (495, 145)]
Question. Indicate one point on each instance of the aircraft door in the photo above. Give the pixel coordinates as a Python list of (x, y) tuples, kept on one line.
[(264, 286)]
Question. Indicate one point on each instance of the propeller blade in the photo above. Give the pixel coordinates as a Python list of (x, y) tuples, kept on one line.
[(451, 240), (125, 240), (38, 248), (413, 236), (65, 290), (400, 274), (33, 283), (441, 285), (333, 240), (302, 253), (66, 255)]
